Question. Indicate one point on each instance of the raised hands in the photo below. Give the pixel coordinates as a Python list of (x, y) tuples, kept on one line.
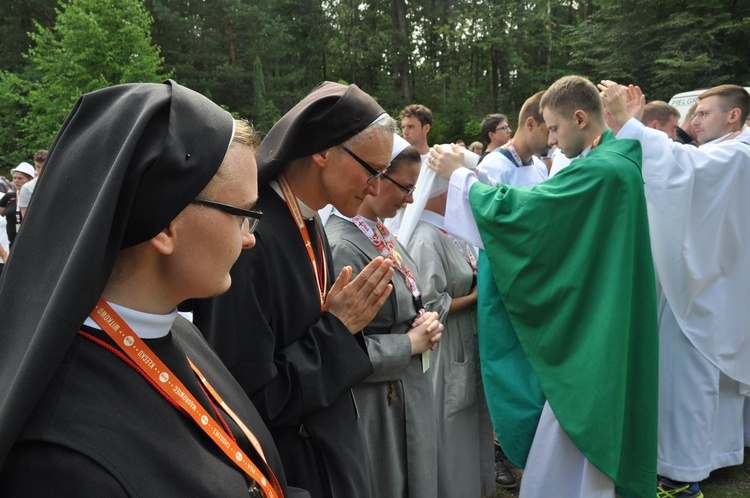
[(622, 102), (355, 303)]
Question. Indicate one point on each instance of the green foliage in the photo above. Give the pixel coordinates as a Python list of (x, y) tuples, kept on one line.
[(93, 44), (461, 58)]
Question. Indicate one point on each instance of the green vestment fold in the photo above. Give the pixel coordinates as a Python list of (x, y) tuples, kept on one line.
[(571, 259)]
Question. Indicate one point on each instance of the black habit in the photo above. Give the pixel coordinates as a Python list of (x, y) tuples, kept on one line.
[(297, 364), (81, 441)]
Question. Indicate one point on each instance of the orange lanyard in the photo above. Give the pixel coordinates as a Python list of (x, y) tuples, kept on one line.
[(291, 201), (139, 352)]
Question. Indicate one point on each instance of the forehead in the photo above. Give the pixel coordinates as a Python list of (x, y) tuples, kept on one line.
[(551, 118), (408, 171), (409, 121), (376, 148), (711, 102)]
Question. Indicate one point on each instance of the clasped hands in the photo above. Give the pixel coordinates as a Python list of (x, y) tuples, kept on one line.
[(357, 302)]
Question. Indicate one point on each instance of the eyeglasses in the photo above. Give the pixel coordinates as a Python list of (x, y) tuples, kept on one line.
[(504, 127), (408, 190), (703, 114), (250, 215), (375, 173)]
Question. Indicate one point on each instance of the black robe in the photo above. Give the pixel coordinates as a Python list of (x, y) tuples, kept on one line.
[(101, 430), (297, 364)]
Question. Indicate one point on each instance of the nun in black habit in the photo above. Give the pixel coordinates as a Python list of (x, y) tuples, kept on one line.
[(289, 334), (104, 389)]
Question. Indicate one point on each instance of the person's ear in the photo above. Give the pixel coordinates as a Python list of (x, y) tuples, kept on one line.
[(164, 241), (530, 123), (581, 118), (427, 128), (735, 115), (322, 158)]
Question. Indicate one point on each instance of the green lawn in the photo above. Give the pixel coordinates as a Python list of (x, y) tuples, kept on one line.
[(730, 482)]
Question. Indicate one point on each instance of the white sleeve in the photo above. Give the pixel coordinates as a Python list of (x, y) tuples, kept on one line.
[(24, 197), (459, 220), (698, 207)]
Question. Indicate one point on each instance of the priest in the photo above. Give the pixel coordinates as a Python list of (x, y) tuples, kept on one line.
[(576, 355)]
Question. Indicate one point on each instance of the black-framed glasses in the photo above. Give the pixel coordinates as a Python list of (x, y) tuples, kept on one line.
[(250, 215), (375, 173), (408, 190)]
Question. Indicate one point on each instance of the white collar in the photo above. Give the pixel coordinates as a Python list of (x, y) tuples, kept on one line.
[(307, 212), (740, 136), (146, 325), (433, 218), (585, 151)]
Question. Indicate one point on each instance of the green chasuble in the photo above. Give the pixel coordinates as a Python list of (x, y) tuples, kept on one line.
[(571, 259)]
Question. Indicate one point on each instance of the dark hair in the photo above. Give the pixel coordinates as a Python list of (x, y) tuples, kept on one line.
[(422, 113), (408, 155), (40, 156), (489, 123), (732, 96)]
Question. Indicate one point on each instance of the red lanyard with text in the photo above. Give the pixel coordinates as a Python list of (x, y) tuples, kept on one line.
[(139, 352), (387, 249), (321, 278), (464, 249)]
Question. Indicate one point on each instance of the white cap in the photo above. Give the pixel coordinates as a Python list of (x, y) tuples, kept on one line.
[(429, 185), (26, 168)]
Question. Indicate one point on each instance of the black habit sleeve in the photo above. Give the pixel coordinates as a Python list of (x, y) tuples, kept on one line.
[(268, 328)]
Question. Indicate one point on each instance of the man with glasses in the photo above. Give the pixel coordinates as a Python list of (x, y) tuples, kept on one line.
[(495, 132), (698, 205), (290, 334)]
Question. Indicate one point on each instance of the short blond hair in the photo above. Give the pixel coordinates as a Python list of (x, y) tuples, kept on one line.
[(244, 135), (660, 111), (571, 93)]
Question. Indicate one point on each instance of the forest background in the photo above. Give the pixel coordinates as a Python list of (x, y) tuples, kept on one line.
[(461, 58)]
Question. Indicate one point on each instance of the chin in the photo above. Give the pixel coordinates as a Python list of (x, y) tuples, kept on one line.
[(350, 210)]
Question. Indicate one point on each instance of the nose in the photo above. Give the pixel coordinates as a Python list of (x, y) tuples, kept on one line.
[(409, 199), (248, 240)]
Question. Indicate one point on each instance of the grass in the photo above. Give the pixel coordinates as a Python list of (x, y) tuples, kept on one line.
[(729, 482)]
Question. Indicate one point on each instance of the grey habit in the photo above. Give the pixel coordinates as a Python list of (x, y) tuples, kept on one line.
[(463, 419), (401, 437)]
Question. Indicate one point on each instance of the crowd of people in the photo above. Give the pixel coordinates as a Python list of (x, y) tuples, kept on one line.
[(406, 321)]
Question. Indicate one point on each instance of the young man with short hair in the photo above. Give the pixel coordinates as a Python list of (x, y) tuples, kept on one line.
[(661, 116), (416, 123)]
